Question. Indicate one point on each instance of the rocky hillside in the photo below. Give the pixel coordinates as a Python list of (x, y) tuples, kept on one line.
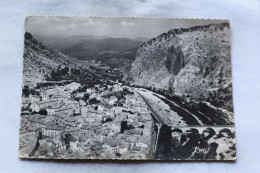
[(193, 61), (39, 60)]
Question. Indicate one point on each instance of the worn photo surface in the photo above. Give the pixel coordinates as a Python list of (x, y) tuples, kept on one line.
[(127, 88)]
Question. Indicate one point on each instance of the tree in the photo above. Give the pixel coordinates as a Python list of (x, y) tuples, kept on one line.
[(94, 101), (86, 96), (64, 71), (28, 36), (26, 91), (34, 92), (43, 112)]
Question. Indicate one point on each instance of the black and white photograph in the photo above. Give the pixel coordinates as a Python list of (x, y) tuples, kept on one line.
[(127, 89)]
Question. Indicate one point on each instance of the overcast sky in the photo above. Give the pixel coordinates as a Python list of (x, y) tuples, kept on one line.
[(111, 27)]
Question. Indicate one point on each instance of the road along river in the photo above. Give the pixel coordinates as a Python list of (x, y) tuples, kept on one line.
[(167, 111)]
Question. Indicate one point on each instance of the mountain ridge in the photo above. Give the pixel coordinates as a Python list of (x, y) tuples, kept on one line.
[(195, 61), (40, 59)]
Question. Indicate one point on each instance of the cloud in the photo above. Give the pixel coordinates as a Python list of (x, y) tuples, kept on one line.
[(124, 23), (106, 26)]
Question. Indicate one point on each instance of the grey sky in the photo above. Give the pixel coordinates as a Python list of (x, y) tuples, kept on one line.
[(111, 27)]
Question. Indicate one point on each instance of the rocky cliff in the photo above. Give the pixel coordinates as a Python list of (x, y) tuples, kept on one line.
[(194, 61)]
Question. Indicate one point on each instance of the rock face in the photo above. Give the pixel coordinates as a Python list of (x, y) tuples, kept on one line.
[(195, 61)]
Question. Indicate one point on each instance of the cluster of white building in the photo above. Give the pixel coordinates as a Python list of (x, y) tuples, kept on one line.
[(59, 105), (53, 101)]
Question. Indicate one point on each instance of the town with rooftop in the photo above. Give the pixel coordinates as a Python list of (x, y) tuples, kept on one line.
[(104, 121)]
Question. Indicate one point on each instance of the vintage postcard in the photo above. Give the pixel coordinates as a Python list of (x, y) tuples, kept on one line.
[(127, 88)]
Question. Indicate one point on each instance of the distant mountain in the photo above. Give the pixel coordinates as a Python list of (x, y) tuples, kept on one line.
[(93, 48), (61, 42), (114, 52), (142, 39), (195, 61), (64, 43)]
